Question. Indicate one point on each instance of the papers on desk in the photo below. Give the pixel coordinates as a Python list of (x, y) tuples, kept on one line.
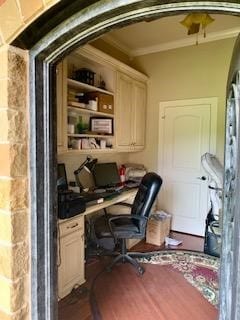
[(93, 202)]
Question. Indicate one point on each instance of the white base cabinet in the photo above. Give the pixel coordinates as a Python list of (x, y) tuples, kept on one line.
[(71, 255)]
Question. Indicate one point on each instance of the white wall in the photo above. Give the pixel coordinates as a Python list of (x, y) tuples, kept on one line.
[(184, 73)]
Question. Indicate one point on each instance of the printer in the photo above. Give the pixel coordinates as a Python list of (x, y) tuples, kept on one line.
[(69, 203)]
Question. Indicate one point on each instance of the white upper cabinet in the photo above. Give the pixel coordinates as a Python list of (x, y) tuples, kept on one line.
[(104, 112), (131, 113), (139, 114), (124, 111)]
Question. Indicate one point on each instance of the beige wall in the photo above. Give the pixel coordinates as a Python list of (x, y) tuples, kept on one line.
[(184, 73), (73, 161)]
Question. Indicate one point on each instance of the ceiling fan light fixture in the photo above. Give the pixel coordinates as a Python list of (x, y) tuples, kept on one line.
[(196, 21)]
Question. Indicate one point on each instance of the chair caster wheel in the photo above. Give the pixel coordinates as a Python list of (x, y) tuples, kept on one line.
[(141, 270)]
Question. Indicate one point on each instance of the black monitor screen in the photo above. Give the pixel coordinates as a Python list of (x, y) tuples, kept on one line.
[(106, 174), (62, 177)]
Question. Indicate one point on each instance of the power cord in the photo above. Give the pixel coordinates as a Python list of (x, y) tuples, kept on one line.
[(78, 292), (59, 246)]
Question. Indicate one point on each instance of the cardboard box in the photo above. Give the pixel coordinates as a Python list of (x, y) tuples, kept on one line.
[(158, 228), (105, 101)]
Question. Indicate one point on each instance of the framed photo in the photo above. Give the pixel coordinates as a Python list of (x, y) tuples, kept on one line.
[(101, 125)]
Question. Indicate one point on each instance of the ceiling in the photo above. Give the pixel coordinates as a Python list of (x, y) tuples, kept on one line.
[(167, 33)]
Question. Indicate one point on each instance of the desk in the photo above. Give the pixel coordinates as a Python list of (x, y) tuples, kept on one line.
[(71, 244)]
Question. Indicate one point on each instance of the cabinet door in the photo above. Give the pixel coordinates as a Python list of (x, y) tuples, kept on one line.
[(61, 92), (71, 269), (124, 112), (139, 114)]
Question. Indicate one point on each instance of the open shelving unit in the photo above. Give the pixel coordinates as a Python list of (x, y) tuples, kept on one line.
[(89, 151), (86, 87), (120, 93), (82, 111), (90, 112), (89, 135)]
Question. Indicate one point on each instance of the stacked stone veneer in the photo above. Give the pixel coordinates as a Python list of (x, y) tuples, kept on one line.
[(16, 15), (14, 213)]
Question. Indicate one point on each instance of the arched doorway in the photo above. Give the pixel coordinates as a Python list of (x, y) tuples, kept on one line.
[(74, 30)]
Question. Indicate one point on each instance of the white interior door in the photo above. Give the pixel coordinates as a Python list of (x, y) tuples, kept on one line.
[(186, 136)]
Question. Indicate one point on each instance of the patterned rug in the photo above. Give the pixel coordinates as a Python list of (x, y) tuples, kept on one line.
[(199, 269)]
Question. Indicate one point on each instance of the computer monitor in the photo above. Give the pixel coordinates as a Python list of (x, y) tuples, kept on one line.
[(106, 174), (62, 183)]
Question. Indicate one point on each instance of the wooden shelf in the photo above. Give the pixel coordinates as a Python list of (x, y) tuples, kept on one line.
[(91, 112), (83, 135), (87, 151), (88, 88)]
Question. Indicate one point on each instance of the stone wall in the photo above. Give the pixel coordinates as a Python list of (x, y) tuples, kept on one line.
[(16, 15), (14, 211)]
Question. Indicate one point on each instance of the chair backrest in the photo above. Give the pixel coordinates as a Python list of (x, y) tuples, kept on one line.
[(146, 195)]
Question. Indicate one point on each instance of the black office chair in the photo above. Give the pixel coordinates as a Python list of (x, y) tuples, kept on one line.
[(132, 226)]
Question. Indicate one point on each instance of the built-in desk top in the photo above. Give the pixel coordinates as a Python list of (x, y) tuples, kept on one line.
[(123, 196)]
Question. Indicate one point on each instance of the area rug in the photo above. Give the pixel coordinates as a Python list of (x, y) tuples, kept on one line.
[(175, 285), (201, 270)]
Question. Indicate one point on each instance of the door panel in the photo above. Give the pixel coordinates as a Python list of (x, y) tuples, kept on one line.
[(186, 139), (183, 136), (124, 116), (139, 113)]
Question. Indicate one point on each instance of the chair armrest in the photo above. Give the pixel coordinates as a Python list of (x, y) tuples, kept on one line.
[(123, 204), (125, 216), (128, 216)]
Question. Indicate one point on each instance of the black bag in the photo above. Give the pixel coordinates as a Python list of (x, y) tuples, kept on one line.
[(212, 241)]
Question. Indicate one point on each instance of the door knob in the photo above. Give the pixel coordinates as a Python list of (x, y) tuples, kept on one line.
[(202, 178)]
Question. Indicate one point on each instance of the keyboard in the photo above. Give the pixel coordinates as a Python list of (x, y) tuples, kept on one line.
[(92, 197), (107, 193), (87, 197), (131, 184)]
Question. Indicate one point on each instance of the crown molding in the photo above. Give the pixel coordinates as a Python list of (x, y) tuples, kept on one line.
[(188, 41), (94, 54), (117, 44)]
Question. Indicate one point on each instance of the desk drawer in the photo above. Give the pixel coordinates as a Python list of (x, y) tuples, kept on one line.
[(71, 226)]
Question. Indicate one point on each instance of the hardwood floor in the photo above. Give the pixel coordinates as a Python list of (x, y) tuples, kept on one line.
[(178, 300), (189, 242), (160, 294)]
